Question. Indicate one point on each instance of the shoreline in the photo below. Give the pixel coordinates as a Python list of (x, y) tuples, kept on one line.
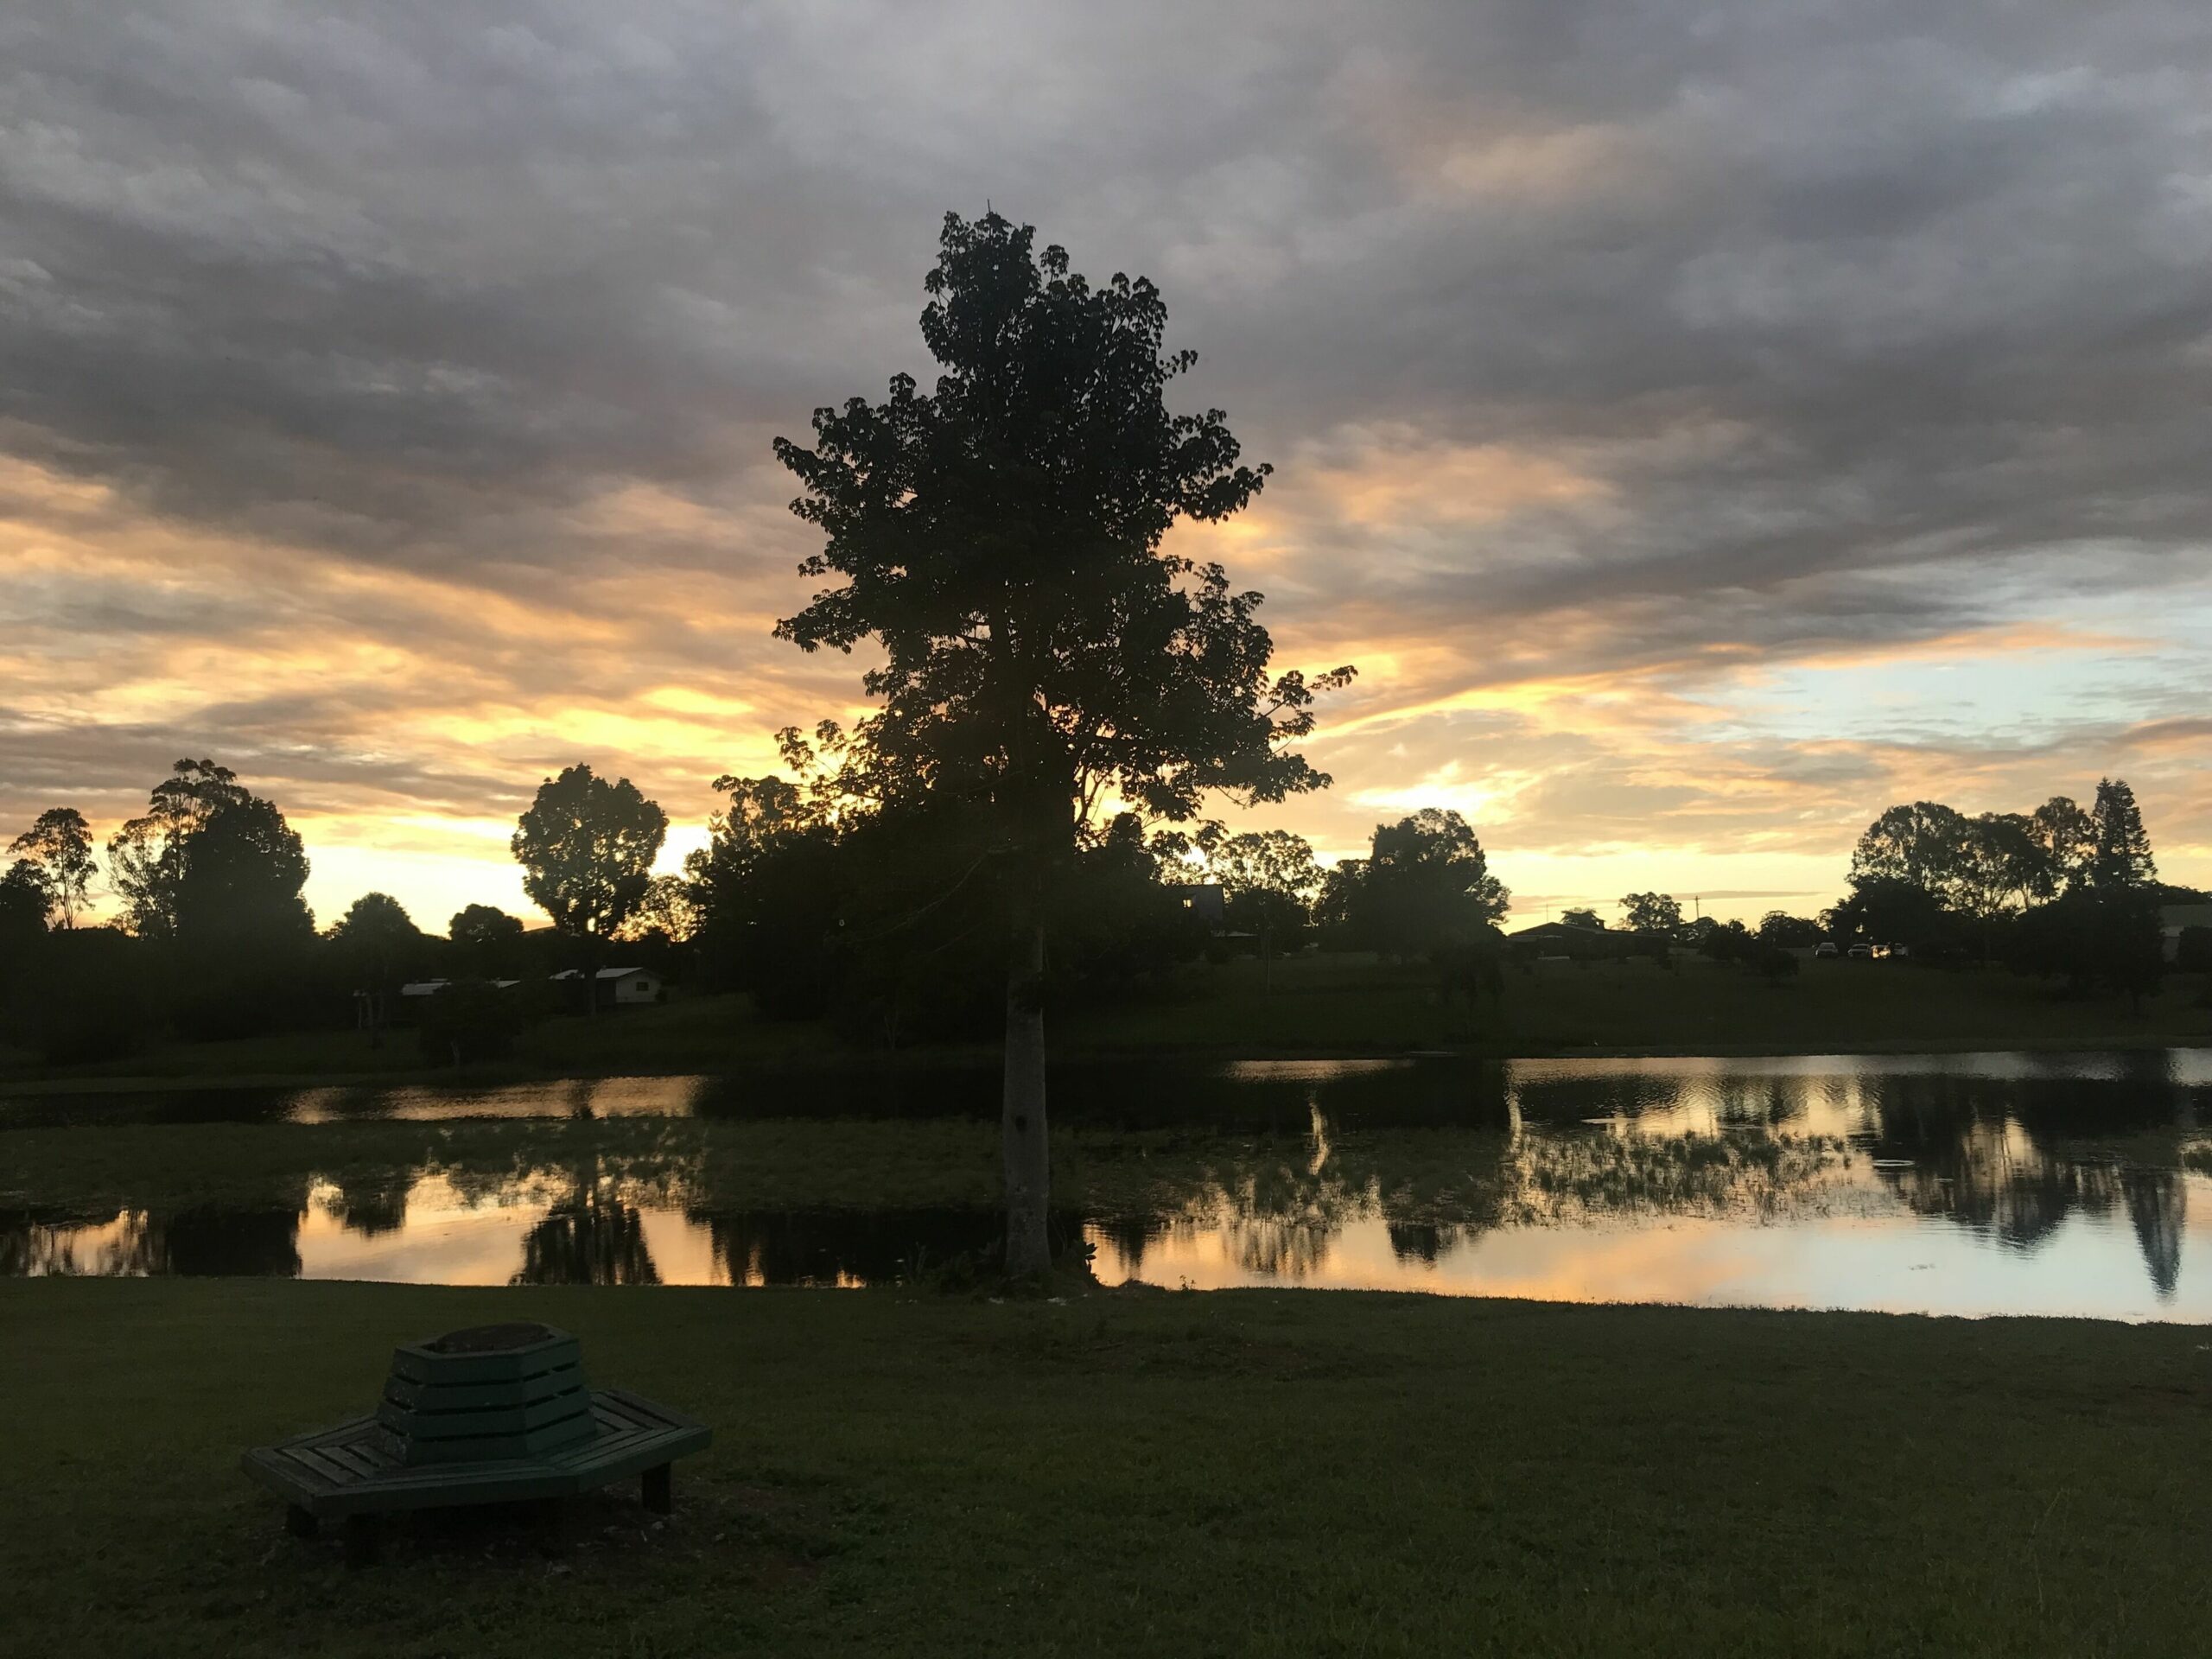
[(38, 1083)]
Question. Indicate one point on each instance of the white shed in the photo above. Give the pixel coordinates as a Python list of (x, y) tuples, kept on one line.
[(627, 985), (622, 987)]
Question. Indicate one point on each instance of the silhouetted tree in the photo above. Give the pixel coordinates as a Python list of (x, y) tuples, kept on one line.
[(487, 942), (1427, 884), (2007, 863), (1886, 910), (1000, 537), (58, 846), (668, 909), (23, 910), (2120, 856), (1729, 941), (1779, 928), (146, 856), (1651, 913), (376, 943), (2066, 838), (587, 848), (1268, 882), (1924, 844), (1333, 910), (1583, 918), (239, 884)]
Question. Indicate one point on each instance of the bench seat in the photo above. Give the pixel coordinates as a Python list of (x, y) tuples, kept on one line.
[(352, 1469)]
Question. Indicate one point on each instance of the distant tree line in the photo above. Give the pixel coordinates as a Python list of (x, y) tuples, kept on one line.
[(2065, 892), (212, 937), (883, 917)]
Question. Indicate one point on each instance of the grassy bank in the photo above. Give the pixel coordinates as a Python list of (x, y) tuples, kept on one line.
[(1230, 1473), (1310, 1005)]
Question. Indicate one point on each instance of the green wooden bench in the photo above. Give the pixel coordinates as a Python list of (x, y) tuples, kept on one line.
[(493, 1415)]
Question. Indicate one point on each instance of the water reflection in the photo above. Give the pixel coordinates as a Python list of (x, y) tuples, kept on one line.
[(1980, 1183)]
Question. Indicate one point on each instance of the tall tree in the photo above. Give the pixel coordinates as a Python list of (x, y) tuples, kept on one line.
[(58, 845), (146, 857), (1583, 918), (1000, 538), (2119, 856), (587, 848), (1651, 913), (237, 889)]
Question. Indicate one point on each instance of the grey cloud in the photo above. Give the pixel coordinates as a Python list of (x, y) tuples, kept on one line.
[(1867, 323)]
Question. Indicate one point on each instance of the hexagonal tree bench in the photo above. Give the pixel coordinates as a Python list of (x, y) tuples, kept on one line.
[(496, 1413)]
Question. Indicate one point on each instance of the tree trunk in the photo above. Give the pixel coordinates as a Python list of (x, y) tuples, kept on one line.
[(1029, 1173)]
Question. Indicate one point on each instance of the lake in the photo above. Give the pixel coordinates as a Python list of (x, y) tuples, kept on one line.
[(1973, 1183)]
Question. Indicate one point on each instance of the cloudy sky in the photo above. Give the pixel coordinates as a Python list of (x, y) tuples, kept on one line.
[(1703, 424)]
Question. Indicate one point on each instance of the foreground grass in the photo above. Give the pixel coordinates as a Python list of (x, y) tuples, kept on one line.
[(1314, 1004), (1226, 1473)]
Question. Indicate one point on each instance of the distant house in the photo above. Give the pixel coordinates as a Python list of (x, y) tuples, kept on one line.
[(1565, 939), (2172, 919), (374, 1008), (1584, 944), (1204, 900), (620, 987)]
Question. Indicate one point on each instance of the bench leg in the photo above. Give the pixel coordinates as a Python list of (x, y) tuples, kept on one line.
[(364, 1533), (660, 1493), (299, 1522)]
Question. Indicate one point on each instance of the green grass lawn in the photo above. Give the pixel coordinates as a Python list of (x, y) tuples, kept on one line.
[(1139, 1473), (1317, 1004)]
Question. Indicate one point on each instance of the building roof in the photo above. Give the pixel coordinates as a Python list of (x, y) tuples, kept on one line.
[(2180, 916), (606, 973)]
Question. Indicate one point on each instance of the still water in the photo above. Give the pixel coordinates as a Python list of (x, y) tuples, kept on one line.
[(1956, 1184)]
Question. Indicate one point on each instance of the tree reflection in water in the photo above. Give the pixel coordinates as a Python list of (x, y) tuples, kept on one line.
[(2158, 1203), (1586, 1145), (152, 1244), (1271, 1173), (593, 1236)]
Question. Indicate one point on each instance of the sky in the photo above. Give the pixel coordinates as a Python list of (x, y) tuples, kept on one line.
[(1702, 424)]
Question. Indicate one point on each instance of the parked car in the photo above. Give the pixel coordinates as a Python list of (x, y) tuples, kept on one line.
[(1860, 953), (1900, 952), (1826, 948)]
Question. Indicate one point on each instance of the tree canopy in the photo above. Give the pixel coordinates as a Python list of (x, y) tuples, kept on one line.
[(146, 856), (1000, 537), (1651, 913), (58, 848), (587, 848), (377, 941)]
